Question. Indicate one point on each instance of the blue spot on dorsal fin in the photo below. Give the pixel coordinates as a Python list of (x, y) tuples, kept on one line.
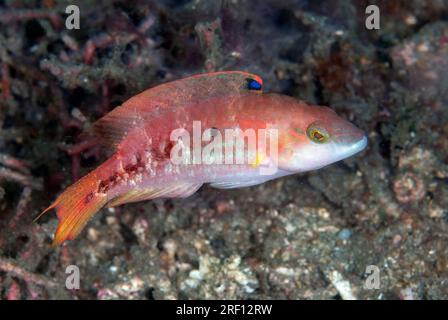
[(253, 84)]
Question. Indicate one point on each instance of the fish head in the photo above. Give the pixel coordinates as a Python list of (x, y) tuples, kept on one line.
[(318, 138)]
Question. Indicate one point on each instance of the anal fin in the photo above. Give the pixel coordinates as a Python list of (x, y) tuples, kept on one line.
[(179, 190)]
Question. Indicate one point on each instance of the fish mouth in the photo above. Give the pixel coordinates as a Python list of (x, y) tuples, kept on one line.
[(351, 149)]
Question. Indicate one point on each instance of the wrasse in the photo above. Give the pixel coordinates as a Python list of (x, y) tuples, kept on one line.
[(154, 128)]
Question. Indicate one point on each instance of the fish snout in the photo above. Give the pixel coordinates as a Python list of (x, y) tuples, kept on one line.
[(350, 142)]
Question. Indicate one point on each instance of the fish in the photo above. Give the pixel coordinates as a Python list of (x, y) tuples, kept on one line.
[(216, 128)]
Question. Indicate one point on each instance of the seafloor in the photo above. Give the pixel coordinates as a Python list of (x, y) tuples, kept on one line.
[(309, 236)]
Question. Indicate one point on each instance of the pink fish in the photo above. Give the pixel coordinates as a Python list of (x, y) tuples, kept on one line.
[(171, 139)]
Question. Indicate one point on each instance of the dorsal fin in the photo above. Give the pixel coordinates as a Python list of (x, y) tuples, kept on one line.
[(113, 127)]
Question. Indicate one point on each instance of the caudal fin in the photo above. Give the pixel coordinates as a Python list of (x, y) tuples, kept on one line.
[(75, 206)]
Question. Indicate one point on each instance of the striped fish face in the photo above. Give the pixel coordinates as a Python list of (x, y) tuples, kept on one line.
[(320, 140)]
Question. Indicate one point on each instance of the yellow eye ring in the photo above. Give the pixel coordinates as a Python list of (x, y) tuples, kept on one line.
[(316, 134)]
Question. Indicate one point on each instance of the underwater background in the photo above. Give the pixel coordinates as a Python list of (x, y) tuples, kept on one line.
[(319, 235)]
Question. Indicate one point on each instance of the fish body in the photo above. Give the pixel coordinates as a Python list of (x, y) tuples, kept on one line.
[(170, 140)]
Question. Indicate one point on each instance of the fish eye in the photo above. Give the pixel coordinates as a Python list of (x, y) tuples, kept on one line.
[(253, 84), (317, 134)]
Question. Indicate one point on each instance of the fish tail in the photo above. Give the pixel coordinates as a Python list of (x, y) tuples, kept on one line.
[(75, 206)]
